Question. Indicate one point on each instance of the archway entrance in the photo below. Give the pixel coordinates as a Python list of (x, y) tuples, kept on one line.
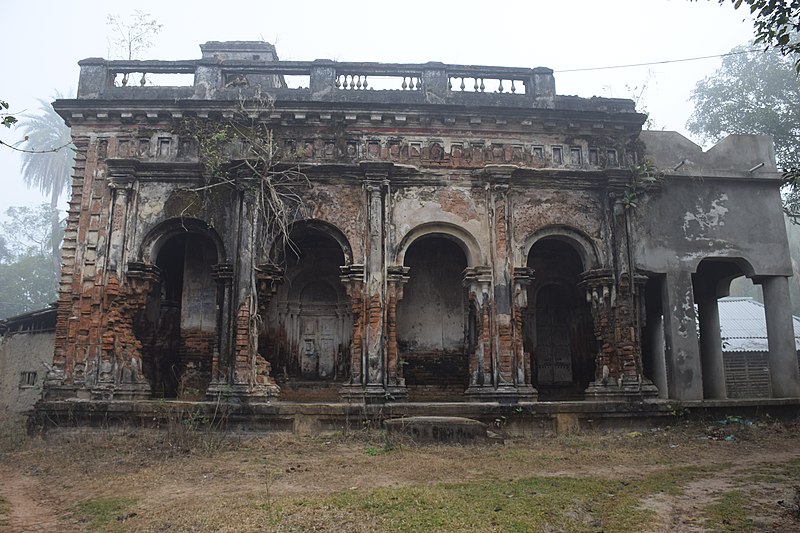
[(309, 322), (179, 331), (432, 329), (558, 323), (711, 282)]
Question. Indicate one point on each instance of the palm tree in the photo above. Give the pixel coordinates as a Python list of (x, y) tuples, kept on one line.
[(47, 161)]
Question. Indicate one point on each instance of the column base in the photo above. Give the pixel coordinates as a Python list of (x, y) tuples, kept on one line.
[(243, 392), (630, 389), (118, 391), (508, 394), (373, 394), (352, 393), (133, 391)]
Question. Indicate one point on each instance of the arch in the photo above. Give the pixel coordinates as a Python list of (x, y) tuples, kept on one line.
[(310, 226), (308, 325), (163, 232), (464, 239), (742, 264), (557, 324), (295, 286), (579, 241)]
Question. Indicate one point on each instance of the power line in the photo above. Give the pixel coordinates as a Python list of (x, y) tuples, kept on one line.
[(662, 62)]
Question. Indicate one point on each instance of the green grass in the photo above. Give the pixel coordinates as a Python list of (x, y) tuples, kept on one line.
[(104, 514), (532, 504), (730, 514), (774, 473), (5, 511)]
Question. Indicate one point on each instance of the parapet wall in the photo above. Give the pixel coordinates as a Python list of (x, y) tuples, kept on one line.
[(229, 69)]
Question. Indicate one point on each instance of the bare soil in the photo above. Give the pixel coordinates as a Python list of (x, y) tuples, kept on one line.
[(191, 480)]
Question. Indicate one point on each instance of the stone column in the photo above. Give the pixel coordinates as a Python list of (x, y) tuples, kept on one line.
[(502, 316), (353, 280), (711, 359), (376, 182), (680, 338), (121, 182), (395, 382), (780, 332), (655, 324), (250, 377), (478, 282), (119, 375), (616, 311), (600, 293), (222, 360), (523, 277)]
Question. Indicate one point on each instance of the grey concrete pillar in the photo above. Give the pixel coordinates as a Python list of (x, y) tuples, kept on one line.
[(655, 324), (680, 338), (780, 332), (711, 346)]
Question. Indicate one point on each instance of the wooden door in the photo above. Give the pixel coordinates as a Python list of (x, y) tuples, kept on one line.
[(318, 346), (553, 343)]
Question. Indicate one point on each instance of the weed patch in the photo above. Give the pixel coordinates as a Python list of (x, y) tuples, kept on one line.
[(104, 514), (729, 514), (537, 503), (5, 511)]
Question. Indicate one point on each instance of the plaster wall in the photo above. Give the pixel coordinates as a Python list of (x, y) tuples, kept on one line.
[(687, 222), (440, 209), (23, 352), (538, 209)]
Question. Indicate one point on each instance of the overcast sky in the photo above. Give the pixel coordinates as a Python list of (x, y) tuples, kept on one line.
[(42, 41)]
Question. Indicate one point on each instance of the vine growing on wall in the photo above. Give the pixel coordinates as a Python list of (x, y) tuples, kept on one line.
[(239, 152), (644, 177)]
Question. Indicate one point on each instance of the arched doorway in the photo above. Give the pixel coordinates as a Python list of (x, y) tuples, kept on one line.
[(308, 327), (179, 329), (558, 323), (711, 281), (432, 320)]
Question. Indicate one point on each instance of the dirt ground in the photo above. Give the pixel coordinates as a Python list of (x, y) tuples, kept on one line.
[(721, 475)]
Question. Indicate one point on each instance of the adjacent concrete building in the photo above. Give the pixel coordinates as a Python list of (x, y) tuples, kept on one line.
[(26, 347), (454, 233)]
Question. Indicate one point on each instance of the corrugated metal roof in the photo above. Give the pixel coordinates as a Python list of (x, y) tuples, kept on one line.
[(743, 326)]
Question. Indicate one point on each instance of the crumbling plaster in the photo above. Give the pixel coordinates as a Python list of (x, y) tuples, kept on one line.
[(496, 173)]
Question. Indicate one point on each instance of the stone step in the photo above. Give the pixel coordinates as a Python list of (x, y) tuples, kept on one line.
[(452, 429)]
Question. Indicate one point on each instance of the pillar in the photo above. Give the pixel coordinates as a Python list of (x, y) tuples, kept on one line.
[(654, 320), (523, 277), (249, 371), (395, 382), (710, 340), (780, 332), (121, 183), (376, 184), (478, 282), (353, 280), (683, 362), (221, 362)]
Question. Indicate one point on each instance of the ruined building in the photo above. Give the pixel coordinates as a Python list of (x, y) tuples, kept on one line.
[(291, 230)]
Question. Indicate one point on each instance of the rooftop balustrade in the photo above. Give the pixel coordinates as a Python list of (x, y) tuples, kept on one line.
[(228, 70)]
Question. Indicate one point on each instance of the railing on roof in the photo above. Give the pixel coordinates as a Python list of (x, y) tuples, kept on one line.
[(320, 80)]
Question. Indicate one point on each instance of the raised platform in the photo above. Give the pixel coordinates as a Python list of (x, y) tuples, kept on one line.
[(528, 418)]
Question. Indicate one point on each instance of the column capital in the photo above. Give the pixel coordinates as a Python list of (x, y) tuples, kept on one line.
[(351, 273), (376, 170), (478, 279), (498, 175), (121, 172), (143, 271), (398, 274), (523, 276)]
